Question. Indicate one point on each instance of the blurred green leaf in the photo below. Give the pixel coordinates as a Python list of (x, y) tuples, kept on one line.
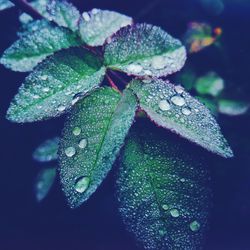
[(232, 107)]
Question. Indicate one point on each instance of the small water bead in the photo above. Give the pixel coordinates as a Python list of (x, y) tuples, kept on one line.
[(186, 111), (61, 108), (179, 89), (164, 105), (174, 213), (46, 89), (86, 16), (178, 100), (195, 226), (134, 68), (77, 131), (165, 207), (82, 143), (162, 232), (44, 77), (70, 151), (81, 184), (182, 180)]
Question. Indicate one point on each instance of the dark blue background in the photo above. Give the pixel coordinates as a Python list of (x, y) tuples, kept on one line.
[(96, 225)]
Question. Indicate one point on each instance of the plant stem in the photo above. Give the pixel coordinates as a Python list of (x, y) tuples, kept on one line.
[(27, 8), (112, 84), (118, 77)]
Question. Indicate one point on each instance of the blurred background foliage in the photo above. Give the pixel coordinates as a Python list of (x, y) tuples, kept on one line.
[(216, 35)]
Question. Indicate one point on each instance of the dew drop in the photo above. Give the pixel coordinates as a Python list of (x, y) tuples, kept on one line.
[(82, 143), (46, 89), (158, 62), (70, 151), (76, 131), (186, 111), (164, 105), (61, 108), (194, 226), (82, 183), (178, 100), (178, 89), (165, 207), (44, 77), (174, 213), (182, 180), (134, 68), (86, 16), (162, 232)]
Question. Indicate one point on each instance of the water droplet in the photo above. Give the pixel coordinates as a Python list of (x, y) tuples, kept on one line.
[(186, 111), (195, 226), (162, 232), (178, 100), (82, 143), (182, 180), (178, 89), (61, 108), (134, 68), (165, 207), (158, 62), (164, 105), (44, 77), (86, 16), (82, 183), (76, 131), (95, 11), (70, 151), (174, 213), (46, 89)]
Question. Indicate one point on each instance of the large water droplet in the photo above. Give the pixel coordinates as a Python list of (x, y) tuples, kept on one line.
[(86, 16), (70, 151), (134, 68), (76, 131), (178, 89), (165, 207), (164, 105), (82, 183), (44, 77), (174, 213), (186, 111), (158, 62), (46, 89), (178, 100), (195, 226), (82, 143)]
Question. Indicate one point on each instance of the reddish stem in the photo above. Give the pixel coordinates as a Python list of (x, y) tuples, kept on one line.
[(112, 84), (26, 7)]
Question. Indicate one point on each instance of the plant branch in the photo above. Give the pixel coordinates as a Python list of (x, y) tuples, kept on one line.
[(112, 84), (27, 8)]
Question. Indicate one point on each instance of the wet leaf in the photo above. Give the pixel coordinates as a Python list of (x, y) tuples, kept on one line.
[(44, 182), (144, 50), (64, 14), (98, 25), (36, 45), (5, 4), (55, 85), (93, 135), (163, 191), (171, 107), (47, 151), (232, 107), (209, 84)]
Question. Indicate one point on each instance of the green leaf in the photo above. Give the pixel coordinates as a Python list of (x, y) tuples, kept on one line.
[(171, 107), (34, 46), (209, 103), (44, 182), (98, 25), (55, 85), (47, 151), (93, 135), (5, 4), (209, 84), (163, 191), (64, 14), (144, 50), (232, 107)]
